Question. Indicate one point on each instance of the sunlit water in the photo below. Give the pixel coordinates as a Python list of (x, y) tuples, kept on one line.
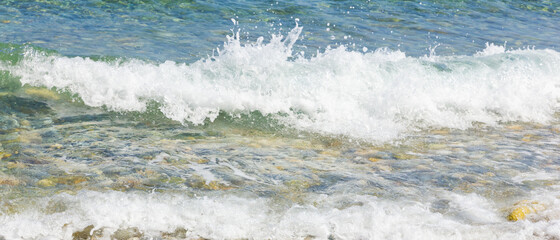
[(279, 120)]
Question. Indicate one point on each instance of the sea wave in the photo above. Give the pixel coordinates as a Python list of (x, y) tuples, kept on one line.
[(376, 95)]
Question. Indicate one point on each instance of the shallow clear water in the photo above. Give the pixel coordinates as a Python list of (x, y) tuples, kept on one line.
[(279, 120)]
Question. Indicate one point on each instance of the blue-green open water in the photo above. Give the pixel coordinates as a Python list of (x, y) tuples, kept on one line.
[(138, 119)]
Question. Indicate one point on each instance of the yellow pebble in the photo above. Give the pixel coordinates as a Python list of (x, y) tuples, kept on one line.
[(372, 159), (6, 21), (519, 213), (45, 183), (523, 208)]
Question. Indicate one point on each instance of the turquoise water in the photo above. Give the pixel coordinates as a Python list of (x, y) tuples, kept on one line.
[(279, 120), (187, 31)]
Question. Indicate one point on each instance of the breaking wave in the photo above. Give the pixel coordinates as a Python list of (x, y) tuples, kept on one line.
[(378, 95)]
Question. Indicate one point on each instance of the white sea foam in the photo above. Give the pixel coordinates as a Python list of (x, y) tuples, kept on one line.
[(536, 176), (229, 217), (377, 96)]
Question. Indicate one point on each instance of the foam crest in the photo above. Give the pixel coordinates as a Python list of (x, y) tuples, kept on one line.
[(230, 217), (374, 96)]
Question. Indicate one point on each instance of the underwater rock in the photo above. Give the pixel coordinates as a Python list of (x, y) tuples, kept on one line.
[(4, 155), (127, 234), (179, 233), (212, 185), (42, 93), (201, 183), (12, 104), (66, 180), (299, 185), (84, 234), (202, 161), (70, 180), (10, 208), (523, 208), (519, 213), (88, 234), (17, 165), (45, 183), (30, 137), (174, 180), (9, 181), (127, 182)]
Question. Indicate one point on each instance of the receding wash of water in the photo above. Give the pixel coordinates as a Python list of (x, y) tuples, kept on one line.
[(287, 119)]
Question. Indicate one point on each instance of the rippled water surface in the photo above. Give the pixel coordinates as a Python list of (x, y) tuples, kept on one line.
[(279, 119)]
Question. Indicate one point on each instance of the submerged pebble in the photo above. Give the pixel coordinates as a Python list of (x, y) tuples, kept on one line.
[(524, 208), (10, 181), (46, 183)]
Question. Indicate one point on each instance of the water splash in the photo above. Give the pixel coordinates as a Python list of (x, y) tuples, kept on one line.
[(375, 96)]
